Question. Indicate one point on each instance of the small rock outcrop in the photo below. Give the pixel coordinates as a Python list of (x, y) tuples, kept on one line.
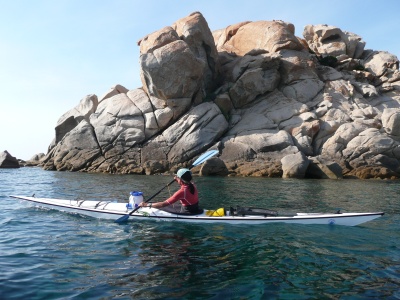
[(272, 103), (332, 41), (8, 161), (270, 36), (34, 160), (294, 165), (214, 166)]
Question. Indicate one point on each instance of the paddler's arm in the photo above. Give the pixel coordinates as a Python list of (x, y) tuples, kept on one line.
[(155, 204)]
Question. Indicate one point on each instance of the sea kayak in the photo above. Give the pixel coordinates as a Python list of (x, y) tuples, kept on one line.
[(113, 211)]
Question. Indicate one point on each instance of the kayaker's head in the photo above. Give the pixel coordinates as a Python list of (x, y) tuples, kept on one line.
[(185, 175)]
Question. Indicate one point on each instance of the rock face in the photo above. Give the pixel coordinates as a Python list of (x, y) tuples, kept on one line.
[(72, 118), (8, 161), (272, 103)]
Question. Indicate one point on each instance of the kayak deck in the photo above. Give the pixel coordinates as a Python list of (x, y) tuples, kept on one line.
[(114, 211)]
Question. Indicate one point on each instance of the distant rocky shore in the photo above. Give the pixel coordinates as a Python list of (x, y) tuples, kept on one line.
[(272, 103), (7, 161)]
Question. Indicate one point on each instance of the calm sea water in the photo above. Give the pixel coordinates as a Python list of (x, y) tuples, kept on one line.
[(45, 254)]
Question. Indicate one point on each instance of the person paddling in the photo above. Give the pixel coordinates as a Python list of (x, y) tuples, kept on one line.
[(187, 195)]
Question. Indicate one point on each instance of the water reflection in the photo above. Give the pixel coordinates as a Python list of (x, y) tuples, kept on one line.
[(224, 262)]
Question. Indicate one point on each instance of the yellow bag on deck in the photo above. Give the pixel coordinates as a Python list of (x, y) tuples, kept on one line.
[(220, 212)]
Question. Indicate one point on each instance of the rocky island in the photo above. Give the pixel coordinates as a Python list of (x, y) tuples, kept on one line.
[(272, 103)]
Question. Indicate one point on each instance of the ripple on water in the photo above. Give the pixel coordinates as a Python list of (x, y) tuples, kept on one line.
[(46, 254)]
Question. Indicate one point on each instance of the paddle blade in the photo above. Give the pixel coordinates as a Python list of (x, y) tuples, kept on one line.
[(204, 157), (122, 219)]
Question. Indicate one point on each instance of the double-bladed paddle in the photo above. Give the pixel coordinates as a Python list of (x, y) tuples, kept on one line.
[(197, 162)]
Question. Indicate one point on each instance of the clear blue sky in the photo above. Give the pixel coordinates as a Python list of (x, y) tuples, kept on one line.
[(53, 53)]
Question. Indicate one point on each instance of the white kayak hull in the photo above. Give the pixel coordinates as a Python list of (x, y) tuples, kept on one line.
[(114, 211)]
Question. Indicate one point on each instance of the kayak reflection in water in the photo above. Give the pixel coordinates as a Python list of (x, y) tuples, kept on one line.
[(187, 195)]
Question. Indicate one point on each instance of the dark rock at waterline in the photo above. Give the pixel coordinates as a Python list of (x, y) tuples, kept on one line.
[(8, 161)]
